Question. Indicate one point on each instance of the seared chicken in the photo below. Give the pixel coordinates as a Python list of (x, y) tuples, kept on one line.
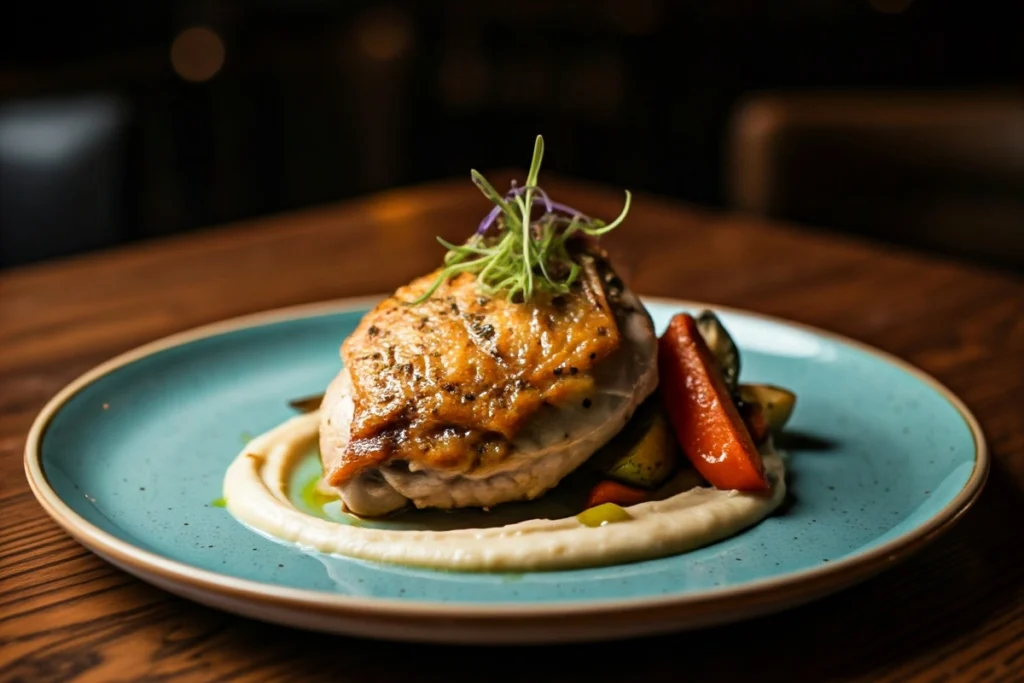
[(465, 400)]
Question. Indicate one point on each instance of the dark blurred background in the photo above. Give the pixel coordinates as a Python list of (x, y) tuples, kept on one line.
[(895, 120)]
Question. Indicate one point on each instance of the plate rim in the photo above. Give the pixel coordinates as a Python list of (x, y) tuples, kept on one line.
[(790, 588)]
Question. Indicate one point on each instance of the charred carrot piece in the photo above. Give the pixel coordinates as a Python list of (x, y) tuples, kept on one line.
[(608, 491), (704, 417)]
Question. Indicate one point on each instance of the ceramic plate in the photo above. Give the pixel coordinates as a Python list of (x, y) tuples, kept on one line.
[(130, 458)]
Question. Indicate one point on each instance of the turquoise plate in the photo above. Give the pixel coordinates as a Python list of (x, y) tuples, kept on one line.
[(130, 458)]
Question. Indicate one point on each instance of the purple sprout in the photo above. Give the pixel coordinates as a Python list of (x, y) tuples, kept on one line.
[(540, 196), (488, 220)]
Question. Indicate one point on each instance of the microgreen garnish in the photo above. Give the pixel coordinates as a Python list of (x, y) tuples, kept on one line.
[(522, 254)]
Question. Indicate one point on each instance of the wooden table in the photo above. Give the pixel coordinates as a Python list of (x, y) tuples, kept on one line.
[(953, 612)]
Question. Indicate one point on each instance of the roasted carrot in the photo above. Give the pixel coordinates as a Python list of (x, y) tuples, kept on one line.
[(608, 491), (704, 417)]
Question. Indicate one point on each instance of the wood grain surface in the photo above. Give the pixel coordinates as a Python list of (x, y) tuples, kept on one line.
[(953, 612)]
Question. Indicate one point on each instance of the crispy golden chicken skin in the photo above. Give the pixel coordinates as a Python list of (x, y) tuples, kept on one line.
[(452, 386)]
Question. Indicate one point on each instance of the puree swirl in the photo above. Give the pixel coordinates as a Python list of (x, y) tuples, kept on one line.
[(255, 487)]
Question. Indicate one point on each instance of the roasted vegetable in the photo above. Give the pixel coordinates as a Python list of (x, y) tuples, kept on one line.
[(753, 417), (307, 404), (704, 416), (776, 403), (609, 491), (722, 346), (645, 452), (684, 479), (605, 513)]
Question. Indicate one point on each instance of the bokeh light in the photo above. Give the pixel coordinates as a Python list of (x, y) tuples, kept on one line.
[(385, 34), (197, 54)]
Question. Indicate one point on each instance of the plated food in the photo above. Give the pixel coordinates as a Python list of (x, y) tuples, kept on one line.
[(130, 459), (521, 369)]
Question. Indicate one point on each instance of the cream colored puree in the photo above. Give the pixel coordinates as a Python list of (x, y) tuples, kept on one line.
[(256, 489)]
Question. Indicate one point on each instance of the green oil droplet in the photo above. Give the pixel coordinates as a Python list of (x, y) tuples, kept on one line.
[(606, 513), (220, 503), (246, 437), (311, 495)]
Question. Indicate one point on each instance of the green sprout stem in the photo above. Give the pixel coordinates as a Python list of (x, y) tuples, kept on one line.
[(526, 255)]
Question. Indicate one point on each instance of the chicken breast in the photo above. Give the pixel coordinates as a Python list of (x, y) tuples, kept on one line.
[(470, 401)]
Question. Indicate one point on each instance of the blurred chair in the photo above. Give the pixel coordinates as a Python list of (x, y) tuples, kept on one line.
[(941, 172), (62, 175)]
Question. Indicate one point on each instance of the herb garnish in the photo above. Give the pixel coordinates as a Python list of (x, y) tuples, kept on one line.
[(523, 254)]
